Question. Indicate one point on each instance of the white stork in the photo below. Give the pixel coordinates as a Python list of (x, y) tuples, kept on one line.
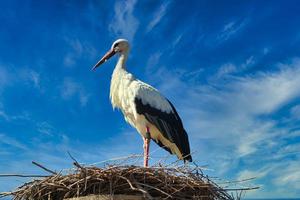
[(145, 108)]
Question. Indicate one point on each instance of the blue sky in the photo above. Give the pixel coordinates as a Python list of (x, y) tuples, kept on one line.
[(231, 68)]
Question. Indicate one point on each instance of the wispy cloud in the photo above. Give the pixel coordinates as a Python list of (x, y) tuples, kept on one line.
[(225, 118), (45, 128), (71, 89), (77, 50), (158, 15), (230, 29), (30, 76), (284, 175), (124, 24), (5, 78), (153, 61), (4, 139), (295, 112), (226, 69), (177, 40), (11, 79), (254, 138), (4, 115), (230, 69), (289, 175), (25, 75), (258, 174)]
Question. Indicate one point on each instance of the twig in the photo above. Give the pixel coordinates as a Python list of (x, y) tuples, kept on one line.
[(22, 175), (241, 189), (237, 181), (149, 186), (75, 161), (44, 168), (134, 188)]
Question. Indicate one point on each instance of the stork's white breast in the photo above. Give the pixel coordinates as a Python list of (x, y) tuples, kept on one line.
[(125, 88)]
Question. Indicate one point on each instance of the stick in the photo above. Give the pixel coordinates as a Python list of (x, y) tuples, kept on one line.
[(75, 162), (21, 175), (149, 186), (237, 181), (44, 168), (241, 189), (136, 189)]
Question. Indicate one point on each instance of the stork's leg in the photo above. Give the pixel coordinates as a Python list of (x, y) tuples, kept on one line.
[(146, 147)]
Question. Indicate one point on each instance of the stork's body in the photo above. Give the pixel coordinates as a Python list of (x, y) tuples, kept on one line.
[(145, 108)]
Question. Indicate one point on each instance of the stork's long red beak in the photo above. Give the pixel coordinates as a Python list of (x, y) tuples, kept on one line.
[(108, 55)]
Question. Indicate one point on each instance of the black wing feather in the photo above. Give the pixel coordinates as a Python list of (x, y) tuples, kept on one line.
[(169, 124)]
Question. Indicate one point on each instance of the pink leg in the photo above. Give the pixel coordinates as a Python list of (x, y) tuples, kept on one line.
[(146, 148)]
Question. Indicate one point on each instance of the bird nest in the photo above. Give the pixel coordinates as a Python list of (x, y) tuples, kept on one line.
[(115, 179), (152, 183)]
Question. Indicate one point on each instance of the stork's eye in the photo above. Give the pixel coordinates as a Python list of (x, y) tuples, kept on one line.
[(115, 45)]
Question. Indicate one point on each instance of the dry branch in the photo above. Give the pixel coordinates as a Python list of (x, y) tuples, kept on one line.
[(44, 168), (22, 175)]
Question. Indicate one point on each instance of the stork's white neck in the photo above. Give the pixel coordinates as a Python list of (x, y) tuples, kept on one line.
[(118, 81), (121, 64)]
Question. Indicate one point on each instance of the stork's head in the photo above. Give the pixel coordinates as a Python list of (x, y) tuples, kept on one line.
[(119, 46)]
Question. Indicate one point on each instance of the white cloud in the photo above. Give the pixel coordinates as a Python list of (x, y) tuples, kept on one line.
[(177, 40), (256, 94), (76, 46), (30, 76), (257, 174), (157, 16), (77, 50), (35, 78), (228, 69), (225, 69), (266, 92), (4, 115), (254, 138), (295, 112), (71, 89), (152, 62), (230, 29), (23, 75), (249, 61), (288, 175), (4, 139), (45, 128), (288, 149), (124, 24)]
